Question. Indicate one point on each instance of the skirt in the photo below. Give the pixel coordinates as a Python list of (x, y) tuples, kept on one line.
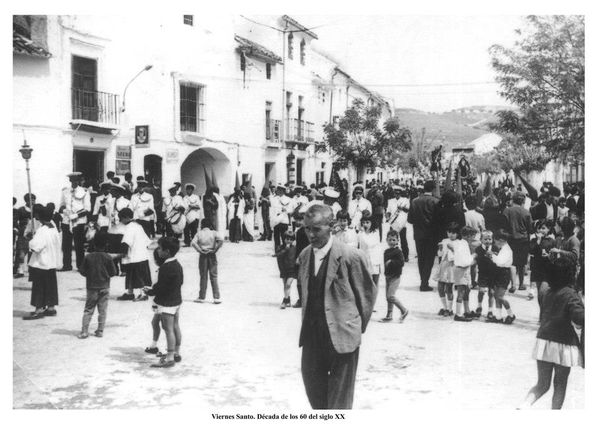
[(44, 288), (138, 275), (557, 353)]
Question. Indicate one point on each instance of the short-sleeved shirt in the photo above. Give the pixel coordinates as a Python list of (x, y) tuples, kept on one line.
[(137, 240), (206, 239)]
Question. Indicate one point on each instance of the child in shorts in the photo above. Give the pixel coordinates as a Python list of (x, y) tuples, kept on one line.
[(167, 297), (394, 262), (486, 272), (503, 263)]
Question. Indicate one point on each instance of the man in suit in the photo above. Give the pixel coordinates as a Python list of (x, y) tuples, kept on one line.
[(339, 295), (420, 216)]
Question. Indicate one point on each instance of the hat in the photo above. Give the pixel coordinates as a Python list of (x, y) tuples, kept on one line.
[(358, 187), (117, 187), (177, 184), (397, 188), (75, 174), (140, 178), (281, 186), (175, 187), (188, 185), (105, 185), (142, 181), (330, 193)]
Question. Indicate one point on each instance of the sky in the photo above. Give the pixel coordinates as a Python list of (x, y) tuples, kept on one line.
[(430, 63)]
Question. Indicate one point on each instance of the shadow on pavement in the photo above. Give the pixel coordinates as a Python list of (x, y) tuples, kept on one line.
[(20, 314), (64, 332), (22, 288), (269, 304)]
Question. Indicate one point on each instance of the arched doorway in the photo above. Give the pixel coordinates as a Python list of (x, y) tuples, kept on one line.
[(192, 170), (153, 169)]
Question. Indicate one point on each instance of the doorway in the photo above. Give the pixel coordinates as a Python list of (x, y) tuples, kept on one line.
[(90, 163), (153, 170), (299, 172)]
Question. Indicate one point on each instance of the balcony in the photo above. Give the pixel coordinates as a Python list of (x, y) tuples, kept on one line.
[(299, 131), (95, 111), (273, 132)]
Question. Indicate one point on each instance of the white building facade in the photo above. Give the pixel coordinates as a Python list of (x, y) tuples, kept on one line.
[(167, 97)]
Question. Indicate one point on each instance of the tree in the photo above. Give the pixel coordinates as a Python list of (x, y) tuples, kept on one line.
[(543, 74), (359, 142)]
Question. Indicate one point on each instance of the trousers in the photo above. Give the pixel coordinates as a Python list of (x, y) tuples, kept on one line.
[(426, 251), (208, 265), (95, 298), (190, 231)]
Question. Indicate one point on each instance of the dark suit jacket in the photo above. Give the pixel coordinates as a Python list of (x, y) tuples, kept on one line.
[(349, 294), (421, 216)]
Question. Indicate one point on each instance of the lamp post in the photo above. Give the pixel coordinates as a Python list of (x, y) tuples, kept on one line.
[(146, 68), (26, 153)]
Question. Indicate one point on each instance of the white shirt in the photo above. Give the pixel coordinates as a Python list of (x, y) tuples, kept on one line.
[(108, 202), (144, 202), (192, 214), (319, 255), (355, 210), (75, 200), (475, 220), (504, 257), (398, 218), (370, 244), (550, 216), (280, 208), (46, 249), (348, 236), (119, 204), (137, 240)]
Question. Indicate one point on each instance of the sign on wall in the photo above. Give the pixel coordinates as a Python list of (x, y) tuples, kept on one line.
[(123, 152), (142, 135), (122, 167), (172, 155)]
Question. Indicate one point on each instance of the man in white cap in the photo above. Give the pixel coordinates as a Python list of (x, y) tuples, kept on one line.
[(397, 216), (192, 213), (280, 208), (358, 206), (77, 206), (330, 199), (173, 207)]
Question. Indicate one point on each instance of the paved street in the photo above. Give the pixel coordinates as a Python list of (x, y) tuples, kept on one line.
[(244, 353)]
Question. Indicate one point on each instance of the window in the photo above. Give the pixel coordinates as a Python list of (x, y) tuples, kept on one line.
[(319, 177), (84, 88), (188, 20), (290, 46), (268, 71), (192, 107), (303, 52), (268, 120)]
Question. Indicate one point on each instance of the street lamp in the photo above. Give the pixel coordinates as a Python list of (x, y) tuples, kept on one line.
[(146, 68), (26, 153)]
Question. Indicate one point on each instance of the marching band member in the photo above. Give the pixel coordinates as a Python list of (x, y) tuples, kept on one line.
[(193, 213), (77, 205)]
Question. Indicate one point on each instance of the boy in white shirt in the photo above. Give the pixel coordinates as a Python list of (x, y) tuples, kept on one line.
[(503, 261), (45, 258), (134, 246)]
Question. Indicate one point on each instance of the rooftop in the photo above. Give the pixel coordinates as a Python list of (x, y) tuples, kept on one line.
[(23, 45), (252, 48)]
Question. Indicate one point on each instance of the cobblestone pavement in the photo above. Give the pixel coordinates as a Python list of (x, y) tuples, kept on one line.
[(244, 352)]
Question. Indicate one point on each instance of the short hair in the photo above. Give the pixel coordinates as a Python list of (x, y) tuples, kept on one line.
[(128, 175), (490, 203), (33, 197), (342, 214), (501, 235), (567, 226), (468, 231), (323, 210), (544, 222), (100, 240), (470, 202), (453, 227), (429, 185), (518, 198), (51, 206), (298, 215), (170, 244), (125, 213), (116, 180), (392, 233), (110, 174), (486, 233), (366, 217), (206, 223), (45, 213)]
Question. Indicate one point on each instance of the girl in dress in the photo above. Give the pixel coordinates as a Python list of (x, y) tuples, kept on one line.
[(557, 348), (446, 270), (370, 243)]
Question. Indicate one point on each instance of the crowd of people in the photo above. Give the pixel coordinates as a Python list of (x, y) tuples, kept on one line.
[(468, 235)]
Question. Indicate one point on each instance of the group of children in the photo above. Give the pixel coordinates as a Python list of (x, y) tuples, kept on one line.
[(493, 258)]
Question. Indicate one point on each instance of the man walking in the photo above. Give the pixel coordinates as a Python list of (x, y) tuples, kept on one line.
[(421, 217), (339, 295)]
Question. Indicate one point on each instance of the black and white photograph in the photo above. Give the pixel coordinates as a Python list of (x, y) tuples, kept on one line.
[(297, 216)]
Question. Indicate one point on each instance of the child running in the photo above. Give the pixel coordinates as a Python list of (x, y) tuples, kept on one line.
[(486, 273), (394, 262), (503, 263), (167, 297), (286, 257), (207, 242), (97, 268), (557, 348)]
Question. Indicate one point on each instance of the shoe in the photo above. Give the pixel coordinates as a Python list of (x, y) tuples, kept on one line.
[(177, 357), (386, 319), (449, 313), (403, 316), (33, 315), (445, 312), (490, 315), (530, 296), (50, 312), (126, 296), (478, 312), (283, 304), (217, 301), (297, 304), (470, 314), (521, 287), (509, 319), (163, 363), (141, 298), (152, 350), (18, 275), (406, 259), (512, 290), (492, 319), (99, 333), (65, 269), (82, 336), (426, 289), (200, 300), (462, 318), (441, 312)]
